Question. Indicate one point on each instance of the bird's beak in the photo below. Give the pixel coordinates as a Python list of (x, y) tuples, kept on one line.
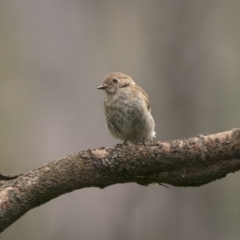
[(104, 86)]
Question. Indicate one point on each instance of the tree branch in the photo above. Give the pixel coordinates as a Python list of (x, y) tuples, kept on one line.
[(185, 162)]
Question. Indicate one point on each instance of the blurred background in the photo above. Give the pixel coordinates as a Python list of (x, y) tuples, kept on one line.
[(53, 55)]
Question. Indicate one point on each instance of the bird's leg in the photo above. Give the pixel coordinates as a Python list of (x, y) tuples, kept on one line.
[(141, 142), (125, 142)]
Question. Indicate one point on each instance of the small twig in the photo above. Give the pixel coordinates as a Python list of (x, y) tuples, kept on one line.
[(8, 177)]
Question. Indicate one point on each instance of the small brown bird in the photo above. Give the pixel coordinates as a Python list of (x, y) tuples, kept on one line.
[(127, 109)]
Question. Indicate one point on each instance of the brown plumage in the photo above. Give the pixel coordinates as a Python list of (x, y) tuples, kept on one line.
[(127, 109)]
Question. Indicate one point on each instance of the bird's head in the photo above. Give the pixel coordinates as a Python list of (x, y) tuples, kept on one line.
[(115, 80)]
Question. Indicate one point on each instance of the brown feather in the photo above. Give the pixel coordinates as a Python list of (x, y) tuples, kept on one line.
[(145, 96)]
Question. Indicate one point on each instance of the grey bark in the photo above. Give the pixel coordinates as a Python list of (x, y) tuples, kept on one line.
[(185, 162)]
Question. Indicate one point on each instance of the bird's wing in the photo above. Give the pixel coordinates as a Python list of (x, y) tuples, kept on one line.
[(145, 97)]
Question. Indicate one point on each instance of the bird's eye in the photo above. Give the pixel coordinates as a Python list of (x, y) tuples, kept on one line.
[(115, 79)]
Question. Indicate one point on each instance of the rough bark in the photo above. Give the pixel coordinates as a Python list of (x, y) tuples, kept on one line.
[(185, 162)]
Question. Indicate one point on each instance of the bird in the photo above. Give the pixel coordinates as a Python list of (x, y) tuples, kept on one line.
[(127, 109)]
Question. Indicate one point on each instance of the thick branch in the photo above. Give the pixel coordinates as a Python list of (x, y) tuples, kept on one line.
[(185, 162)]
